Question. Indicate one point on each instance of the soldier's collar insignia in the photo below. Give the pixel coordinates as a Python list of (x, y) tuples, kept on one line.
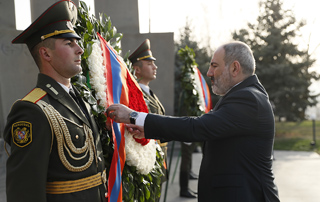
[(21, 133), (52, 89)]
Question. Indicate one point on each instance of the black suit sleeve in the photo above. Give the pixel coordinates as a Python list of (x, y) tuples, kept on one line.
[(236, 115)]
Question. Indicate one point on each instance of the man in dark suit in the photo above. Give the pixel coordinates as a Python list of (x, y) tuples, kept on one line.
[(145, 68), (238, 133), (56, 154)]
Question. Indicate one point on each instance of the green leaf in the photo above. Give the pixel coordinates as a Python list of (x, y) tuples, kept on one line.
[(136, 187), (89, 48), (147, 192), (84, 6), (141, 195)]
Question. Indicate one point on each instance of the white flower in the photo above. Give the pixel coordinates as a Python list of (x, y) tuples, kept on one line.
[(97, 79), (142, 157)]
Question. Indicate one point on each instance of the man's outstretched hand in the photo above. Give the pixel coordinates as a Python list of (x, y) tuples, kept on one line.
[(119, 113)]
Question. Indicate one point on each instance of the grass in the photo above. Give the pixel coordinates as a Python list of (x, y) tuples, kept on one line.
[(297, 136)]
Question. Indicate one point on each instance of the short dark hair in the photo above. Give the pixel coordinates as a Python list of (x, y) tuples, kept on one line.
[(241, 52), (48, 43)]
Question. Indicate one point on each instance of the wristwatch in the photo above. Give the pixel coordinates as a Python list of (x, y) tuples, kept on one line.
[(133, 117)]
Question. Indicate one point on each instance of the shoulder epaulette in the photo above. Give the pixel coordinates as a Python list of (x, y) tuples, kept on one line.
[(35, 95)]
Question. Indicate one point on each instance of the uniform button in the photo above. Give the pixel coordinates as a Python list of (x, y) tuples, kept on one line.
[(77, 136), (99, 158), (48, 85)]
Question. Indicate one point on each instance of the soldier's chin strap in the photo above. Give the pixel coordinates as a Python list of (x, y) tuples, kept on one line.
[(64, 141)]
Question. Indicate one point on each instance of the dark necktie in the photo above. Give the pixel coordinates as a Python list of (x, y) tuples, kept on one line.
[(73, 95), (151, 93), (78, 101)]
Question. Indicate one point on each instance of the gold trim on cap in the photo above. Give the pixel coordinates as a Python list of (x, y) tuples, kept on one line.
[(56, 32), (144, 57)]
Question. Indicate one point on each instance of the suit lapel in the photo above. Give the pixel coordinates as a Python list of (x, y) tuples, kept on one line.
[(247, 82), (217, 105)]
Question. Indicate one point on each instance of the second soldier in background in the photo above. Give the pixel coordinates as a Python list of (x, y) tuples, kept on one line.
[(146, 71)]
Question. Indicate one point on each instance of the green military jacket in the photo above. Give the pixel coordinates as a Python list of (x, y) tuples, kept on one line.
[(153, 103), (42, 157), (155, 106)]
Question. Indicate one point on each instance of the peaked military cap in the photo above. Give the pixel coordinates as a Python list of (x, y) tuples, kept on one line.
[(56, 22), (143, 52)]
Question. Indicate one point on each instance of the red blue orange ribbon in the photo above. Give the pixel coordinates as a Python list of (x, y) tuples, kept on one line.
[(121, 88)]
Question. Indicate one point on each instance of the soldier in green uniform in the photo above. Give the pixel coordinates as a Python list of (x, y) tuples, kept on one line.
[(56, 154), (146, 71)]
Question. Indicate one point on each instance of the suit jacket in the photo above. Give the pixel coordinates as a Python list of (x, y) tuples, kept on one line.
[(239, 136), (30, 167)]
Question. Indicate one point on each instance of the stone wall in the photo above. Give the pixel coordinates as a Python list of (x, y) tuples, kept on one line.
[(19, 72)]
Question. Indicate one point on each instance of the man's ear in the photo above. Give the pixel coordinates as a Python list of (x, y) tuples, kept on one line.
[(137, 69), (235, 68), (45, 53)]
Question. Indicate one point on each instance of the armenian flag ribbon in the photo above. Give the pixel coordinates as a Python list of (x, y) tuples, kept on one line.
[(121, 88), (205, 91)]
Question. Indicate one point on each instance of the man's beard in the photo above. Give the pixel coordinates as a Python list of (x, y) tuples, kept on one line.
[(222, 84)]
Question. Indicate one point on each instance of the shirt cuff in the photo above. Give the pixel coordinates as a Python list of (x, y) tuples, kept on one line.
[(141, 118)]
